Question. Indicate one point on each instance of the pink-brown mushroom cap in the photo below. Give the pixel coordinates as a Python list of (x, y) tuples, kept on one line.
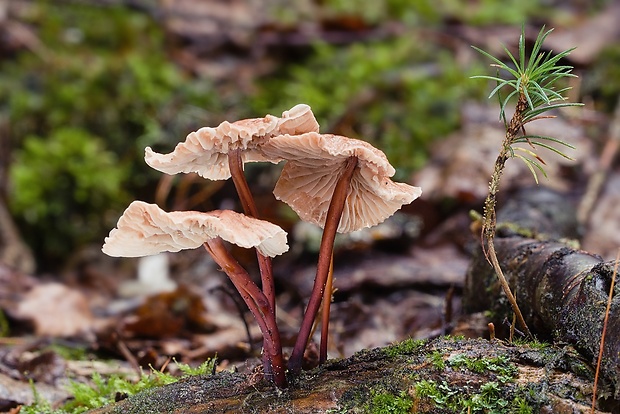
[(314, 164), (145, 229), (205, 151)]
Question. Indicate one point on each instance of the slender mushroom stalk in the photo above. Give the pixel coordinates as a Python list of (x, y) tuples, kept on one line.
[(235, 164), (258, 304), (332, 222), (249, 207), (327, 301)]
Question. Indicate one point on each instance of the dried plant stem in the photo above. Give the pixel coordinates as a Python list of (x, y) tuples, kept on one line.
[(600, 351), (258, 305), (334, 213), (489, 223), (327, 301), (249, 207)]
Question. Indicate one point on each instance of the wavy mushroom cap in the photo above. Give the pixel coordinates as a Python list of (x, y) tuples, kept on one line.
[(206, 151), (145, 229), (314, 164), (297, 120)]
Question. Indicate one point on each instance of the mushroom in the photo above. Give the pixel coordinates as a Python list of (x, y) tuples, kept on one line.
[(219, 153), (206, 151), (341, 184), (144, 229)]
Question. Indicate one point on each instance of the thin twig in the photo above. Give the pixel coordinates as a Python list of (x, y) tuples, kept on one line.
[(241, 311), (600, 352)]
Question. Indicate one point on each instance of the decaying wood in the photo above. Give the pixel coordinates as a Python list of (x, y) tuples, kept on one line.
[(562, 290), (551, 380)]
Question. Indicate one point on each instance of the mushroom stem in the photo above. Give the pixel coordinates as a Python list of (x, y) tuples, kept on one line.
[(258, 305), (327, 301), (332, 221), (249, 207)]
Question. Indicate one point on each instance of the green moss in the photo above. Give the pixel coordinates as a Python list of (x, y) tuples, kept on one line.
[(437, 360), (534, 344), (386, 403), (500, 366), (408, 346), (488, 398), (106, 390)]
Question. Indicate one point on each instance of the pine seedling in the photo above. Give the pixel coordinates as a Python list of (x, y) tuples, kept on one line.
[(532, 81)]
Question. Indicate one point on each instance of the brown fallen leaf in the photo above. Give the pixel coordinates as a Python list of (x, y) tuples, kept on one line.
[(169, 314), (56, 310)]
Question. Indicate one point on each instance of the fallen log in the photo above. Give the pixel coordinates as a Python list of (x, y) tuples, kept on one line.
[(445, 375), (561, 290)]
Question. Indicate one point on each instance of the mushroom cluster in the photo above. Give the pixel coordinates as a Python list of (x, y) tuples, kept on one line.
[(340, 184)]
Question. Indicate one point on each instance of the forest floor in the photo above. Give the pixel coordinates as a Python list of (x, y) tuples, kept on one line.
[(403, 279)]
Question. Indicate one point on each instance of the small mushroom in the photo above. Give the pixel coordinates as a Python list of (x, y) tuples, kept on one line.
[(314, 164), (341, 184), (145, 229)]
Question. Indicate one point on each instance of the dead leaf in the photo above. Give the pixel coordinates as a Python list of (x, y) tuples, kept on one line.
[(169, 314), (56, 310)]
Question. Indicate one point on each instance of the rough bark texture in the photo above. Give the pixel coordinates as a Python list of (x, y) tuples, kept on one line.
[(439, 376), (562, 291)]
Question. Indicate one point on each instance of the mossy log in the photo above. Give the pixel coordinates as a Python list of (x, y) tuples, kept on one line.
[(440, 376), (562, 291)]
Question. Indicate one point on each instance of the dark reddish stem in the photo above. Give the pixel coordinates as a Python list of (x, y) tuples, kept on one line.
[(336, 207), (327, 301), (249, 207), (259, 306)]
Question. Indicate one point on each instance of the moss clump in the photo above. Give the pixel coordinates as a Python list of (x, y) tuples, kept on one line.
[(386, 403), (487, 398), (500, 365), (437, 360), (106, 390), (408, 346)]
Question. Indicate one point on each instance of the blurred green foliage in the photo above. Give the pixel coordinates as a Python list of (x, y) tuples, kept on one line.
[(65, 182), (399, 94), (413, 13), (81, 110)]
